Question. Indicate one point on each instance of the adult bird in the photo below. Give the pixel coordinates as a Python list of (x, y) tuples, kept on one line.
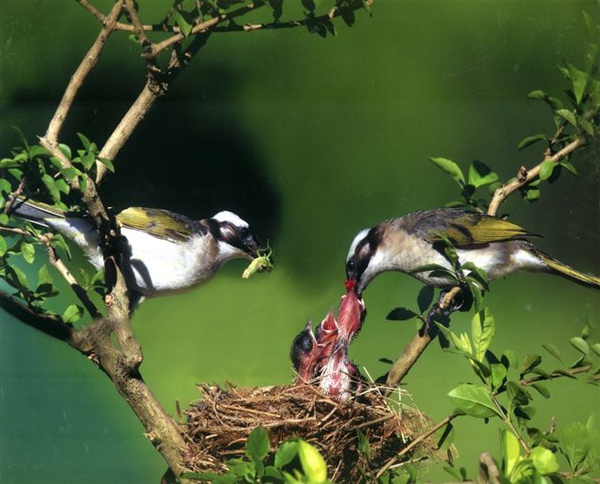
[(163, 252), (412, 242)]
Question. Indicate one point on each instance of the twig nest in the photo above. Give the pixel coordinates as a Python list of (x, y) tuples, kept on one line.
[(220, 423)]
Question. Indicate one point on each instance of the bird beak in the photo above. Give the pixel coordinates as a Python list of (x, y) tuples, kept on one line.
[(250, 246)]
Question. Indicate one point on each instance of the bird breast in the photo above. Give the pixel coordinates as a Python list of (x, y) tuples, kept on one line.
[(161, 266)]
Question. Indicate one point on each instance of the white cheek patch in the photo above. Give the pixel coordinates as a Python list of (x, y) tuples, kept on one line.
[(357, 240), (525, 259)]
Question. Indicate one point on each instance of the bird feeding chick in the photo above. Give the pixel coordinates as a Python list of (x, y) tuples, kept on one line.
[(322, 356), (411, 243)]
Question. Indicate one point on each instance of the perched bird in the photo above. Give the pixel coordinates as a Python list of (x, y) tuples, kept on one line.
[(164, 252), (412, 242)]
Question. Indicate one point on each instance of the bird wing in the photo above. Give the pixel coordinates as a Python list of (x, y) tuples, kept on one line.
[(465, 228), (163, 224)]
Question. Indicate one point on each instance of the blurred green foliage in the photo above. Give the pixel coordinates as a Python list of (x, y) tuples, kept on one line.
[(311, 140)]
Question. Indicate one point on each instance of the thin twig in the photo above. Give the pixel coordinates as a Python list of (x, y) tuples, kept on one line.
[(526, 176), (88, 63), (63, 270), (414, 443)]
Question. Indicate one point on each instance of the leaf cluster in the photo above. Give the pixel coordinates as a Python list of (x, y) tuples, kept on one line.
[(504, 392), (32, 171), (294, 462)]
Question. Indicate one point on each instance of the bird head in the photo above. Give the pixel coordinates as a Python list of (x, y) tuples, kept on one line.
[(305, 353), (361, 262), (233, 236)]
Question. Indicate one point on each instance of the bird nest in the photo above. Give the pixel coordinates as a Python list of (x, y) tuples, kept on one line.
[(219, 424)]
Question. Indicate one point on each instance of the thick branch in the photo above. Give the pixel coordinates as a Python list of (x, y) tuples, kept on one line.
[(419, 343)]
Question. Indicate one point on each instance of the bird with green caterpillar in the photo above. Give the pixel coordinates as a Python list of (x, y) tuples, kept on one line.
[(164, 252)]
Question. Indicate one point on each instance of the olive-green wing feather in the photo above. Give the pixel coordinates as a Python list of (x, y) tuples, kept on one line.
[(160, 223), (464, 228)]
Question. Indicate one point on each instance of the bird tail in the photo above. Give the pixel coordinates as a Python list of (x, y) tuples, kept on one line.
[(36, 212), (557, 267)]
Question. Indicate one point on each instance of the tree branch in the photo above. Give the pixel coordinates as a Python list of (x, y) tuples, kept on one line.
[(419, 343), (88, 63), (526, 176)]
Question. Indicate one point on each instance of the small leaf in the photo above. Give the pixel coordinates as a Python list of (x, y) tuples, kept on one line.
[(511, 451), (107, 163), (286, 453), (579, 80), (451, 168), (72, 314), (480, 174), (182, 23), (580, 345), (567, 115), (542, 390), (44, 275), (3, 246), (445, 436), (553, 350), (425, 298), (529, 140), (364, 446), (482, 332), (258, 444), (569, 167), (400, 314), (544, 460), (28, 252), (576, 444), (313, 464), (65, 150), (84, 141), (529, 363), (473, 400), (546, 169)]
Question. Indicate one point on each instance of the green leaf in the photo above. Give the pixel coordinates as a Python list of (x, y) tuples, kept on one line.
[(72, 314), (542, 390), (511, 451), (28, 252), (579, 80), (480, 174), (553, 350), (529, 363), (567, 115), (569, 167), (451, 168), (65, 150), (473, 400), (313, 464), (499, 373), (84, 141), (517, 395), (576, 444), (482, 332), (286, 453), (546, 169), (258, 443), (257, 448), (107, 163), (44, 276), (16, 278), (182, 23), (3, 246), (364, 446), (529, 140), (580, 345)]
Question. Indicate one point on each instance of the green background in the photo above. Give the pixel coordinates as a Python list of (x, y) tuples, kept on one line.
[(310, 140)]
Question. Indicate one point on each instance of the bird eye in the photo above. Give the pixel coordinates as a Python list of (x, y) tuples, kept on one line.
[(350, 265), (244, 232)]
